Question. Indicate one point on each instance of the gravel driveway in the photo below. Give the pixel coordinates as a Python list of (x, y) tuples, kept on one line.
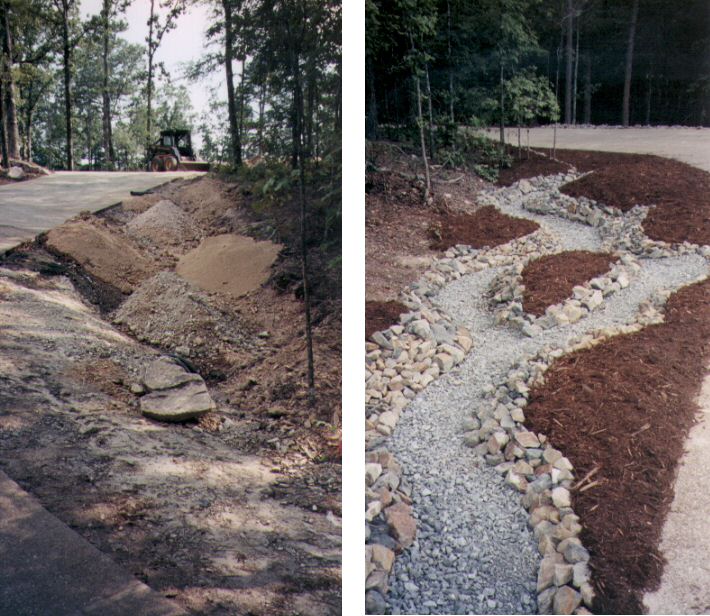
[(689, 145)]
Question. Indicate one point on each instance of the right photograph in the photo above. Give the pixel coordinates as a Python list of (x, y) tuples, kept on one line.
[(537, 344)]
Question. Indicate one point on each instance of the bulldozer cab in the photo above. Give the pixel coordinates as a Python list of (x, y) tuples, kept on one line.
[(179, 139)]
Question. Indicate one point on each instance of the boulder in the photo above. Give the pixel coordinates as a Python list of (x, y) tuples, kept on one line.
[(174, 393), (16, 173)]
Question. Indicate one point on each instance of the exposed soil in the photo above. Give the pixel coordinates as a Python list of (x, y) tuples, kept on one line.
[(550, 279), (229, 264), (624, 408), (485, 228), (380, 315), (237, 513), (397, 221), (102, 252)]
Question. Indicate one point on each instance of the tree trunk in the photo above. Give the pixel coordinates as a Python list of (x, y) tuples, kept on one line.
[(107, 140), (13, 132), (28, 134), (420, 121), (501, 126), (568, 66), (576, 73), (231, 101), (588, 88), (451, 67), (242, 103), (371, 120), (149, 93), (67, 87), (262, 108), (3, 127), (432, 144), (298, 127), (629, 65), (649, 91)]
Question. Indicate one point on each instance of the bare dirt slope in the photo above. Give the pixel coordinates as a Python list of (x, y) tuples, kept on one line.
[(238, 513)]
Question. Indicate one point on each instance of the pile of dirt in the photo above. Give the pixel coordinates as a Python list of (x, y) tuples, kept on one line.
[(140, 203), (206, 199), (621, 411), (174, 315), (108, 256), (550, 279), (485, 228), (229, 264), (163, 224), (681, 194), (529, 166), (381, 315)]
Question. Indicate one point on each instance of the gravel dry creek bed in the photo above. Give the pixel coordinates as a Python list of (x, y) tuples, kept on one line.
[(474, 552)]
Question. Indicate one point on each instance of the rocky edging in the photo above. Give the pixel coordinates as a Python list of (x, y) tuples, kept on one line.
[(542, 474), (400, 362), (507, 292)]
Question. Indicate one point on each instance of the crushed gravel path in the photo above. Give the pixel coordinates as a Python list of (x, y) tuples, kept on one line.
[(474, 552)]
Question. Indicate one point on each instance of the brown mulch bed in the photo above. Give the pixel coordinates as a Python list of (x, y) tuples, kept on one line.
[(550, 279), (381, 315), (681, 192), (625, 407), (485, 228)]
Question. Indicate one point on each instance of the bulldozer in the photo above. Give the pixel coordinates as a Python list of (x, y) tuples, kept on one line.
[(173, 152)]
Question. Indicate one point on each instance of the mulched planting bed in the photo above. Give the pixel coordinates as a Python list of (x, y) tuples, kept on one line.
[(624, 408), (381, 315), (485, 228), (680, 192), (550, 279)]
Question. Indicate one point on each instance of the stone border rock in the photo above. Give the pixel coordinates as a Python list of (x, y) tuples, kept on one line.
[(507, 293)]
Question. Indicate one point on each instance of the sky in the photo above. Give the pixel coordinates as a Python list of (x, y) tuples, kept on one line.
[(182, 44)]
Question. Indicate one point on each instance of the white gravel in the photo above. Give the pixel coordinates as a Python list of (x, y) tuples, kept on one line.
[(474, 552)]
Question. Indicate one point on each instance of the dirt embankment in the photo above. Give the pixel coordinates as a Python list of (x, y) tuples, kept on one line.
[(236, 513)]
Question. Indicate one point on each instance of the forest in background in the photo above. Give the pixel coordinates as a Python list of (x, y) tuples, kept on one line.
[(522, 62), (75, 94)]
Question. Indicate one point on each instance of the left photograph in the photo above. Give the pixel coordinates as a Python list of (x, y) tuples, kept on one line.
[(170, 307)]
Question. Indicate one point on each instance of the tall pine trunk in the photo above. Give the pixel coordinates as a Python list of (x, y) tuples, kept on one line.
[(422, 140), (371, 119), (13, 131), (568, 61), (68, 105), (149, 93), (451, 66), (625, 115), (234, 137), (106, 133), (3, 127), (430, 113), (576, 74), (588, 88)]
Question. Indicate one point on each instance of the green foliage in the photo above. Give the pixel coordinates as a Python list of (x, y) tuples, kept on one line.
[(529, 98)]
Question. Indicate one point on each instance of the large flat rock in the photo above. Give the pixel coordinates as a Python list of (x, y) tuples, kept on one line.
[(175, 394)]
